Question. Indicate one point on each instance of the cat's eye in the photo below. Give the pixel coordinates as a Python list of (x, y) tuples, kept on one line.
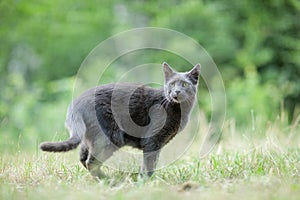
[(172, 84), (185, 84)]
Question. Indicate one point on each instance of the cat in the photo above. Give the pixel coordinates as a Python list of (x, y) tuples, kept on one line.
[(107, 117)]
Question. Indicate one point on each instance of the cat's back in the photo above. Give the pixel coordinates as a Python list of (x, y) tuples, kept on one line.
[(97, 104), (87, 98), (105, 95)]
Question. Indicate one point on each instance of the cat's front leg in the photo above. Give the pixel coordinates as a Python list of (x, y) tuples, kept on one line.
[(150, 160)]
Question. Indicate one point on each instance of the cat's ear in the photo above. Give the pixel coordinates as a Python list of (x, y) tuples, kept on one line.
[(194, 74), (168, 71)]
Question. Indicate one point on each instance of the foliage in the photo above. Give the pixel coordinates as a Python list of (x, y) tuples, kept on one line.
[(255, 45)]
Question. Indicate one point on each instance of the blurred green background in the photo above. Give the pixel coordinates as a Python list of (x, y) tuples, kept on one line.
[(255, 44)]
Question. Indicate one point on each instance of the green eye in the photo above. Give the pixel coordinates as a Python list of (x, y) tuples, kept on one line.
[(172, 84), (185, 84)]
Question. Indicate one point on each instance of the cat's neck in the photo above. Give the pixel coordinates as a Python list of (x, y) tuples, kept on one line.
[(186, 106)]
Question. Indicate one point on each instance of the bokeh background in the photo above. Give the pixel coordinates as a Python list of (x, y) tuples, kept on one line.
[(255, 44)]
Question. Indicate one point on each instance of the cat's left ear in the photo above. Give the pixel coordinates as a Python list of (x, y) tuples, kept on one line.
[(194, 74)]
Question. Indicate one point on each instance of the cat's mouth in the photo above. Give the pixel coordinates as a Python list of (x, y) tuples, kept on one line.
[(175, 98)]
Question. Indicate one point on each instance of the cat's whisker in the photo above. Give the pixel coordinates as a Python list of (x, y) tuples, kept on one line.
[(165, 103), (189, 102)]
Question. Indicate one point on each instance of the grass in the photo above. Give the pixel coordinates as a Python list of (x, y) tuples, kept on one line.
[(240, 167), (229, 175)]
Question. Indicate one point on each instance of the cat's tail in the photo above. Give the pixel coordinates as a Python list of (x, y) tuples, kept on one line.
[(77, 128), (67, 145)]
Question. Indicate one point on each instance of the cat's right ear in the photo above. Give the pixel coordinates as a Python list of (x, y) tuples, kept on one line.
[(168, 71)]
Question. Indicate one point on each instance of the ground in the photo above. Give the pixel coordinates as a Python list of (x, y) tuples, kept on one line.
[(258, 173)]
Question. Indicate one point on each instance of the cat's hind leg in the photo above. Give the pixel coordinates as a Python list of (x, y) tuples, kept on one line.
[(83, 154), (97, 156)]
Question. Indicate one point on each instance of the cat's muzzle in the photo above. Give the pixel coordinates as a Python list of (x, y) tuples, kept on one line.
[(177, 98)]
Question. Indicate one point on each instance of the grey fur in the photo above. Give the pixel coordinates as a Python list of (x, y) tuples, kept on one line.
[(107, 117)]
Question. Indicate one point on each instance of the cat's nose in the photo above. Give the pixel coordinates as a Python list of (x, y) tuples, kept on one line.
[(177, 91)]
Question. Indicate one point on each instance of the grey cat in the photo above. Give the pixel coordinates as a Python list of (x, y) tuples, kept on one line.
[(107, 117)]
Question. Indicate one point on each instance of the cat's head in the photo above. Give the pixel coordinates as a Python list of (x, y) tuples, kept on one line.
[(180, 86)]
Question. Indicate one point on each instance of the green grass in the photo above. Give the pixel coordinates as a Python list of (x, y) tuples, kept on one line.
[(227, 175), (244, 165)]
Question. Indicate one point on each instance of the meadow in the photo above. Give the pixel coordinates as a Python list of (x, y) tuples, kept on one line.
[(240, 167)]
